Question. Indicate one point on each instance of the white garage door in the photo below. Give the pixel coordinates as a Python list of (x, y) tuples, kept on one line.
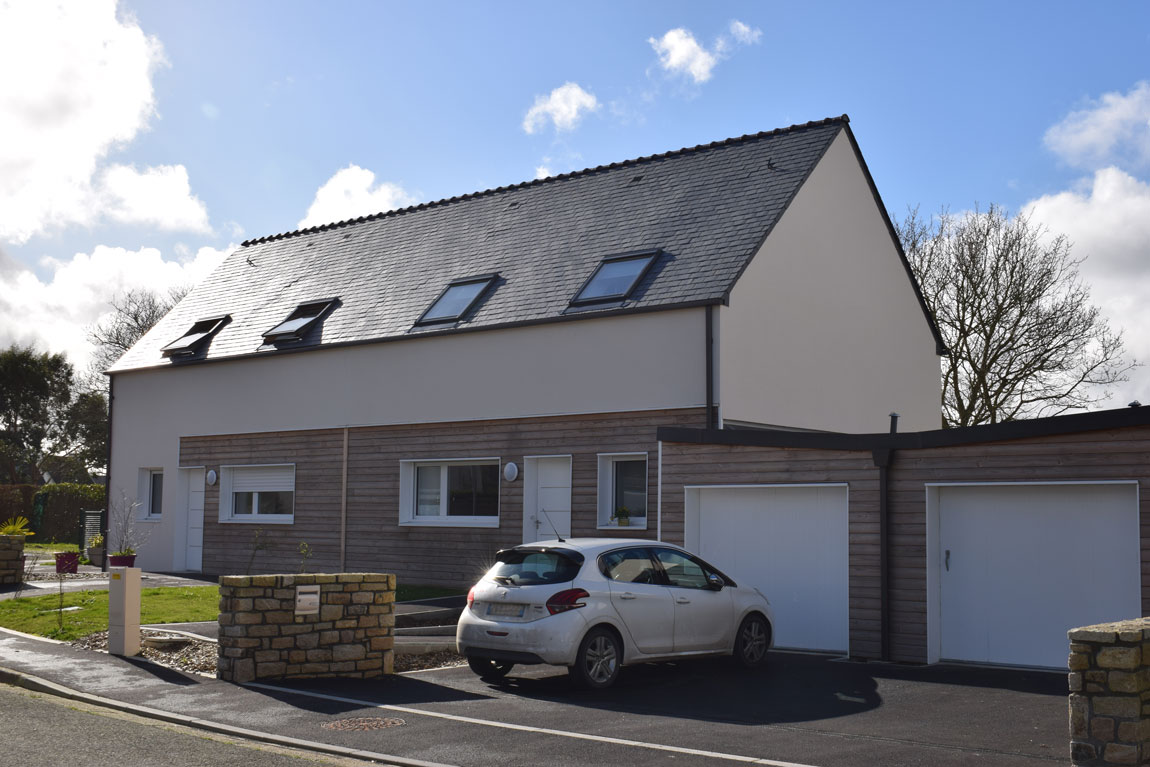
[(790, 542), (1019, 565)]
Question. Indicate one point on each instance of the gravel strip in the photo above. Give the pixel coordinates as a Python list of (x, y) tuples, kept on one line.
[(199, 657)]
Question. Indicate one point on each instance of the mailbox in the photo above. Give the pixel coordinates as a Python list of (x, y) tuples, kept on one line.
[(307, 600)]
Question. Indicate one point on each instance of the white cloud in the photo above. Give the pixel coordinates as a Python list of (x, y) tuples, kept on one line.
[(351, 193), (210, 110), (1115, 129), (84, 89), (159, 196), (564, 107), (1108, 220), (744, 34), (680, 53), (542, 171), (54, 314)]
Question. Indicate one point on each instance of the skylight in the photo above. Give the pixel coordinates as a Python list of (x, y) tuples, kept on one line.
[(615, 278), (189, 343), (457, 300), (298, 322)]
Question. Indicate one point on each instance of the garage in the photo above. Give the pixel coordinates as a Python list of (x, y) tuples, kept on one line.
[(1016, 565), (791, 541)]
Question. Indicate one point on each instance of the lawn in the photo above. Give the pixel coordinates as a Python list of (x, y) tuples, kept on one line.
[(41, 548), (38, 615)]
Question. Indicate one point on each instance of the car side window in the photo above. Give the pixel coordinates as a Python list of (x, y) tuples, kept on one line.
[(681, 570), (629, 566)]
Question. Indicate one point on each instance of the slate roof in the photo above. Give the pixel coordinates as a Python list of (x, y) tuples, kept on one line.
[(707, 207)]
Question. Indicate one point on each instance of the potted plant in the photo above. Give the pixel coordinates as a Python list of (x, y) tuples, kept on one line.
[(124, 535), (125, 557), (67, 561), (95, 550), (622, 516)]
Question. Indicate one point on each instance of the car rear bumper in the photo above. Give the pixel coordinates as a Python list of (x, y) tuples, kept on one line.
[(553, 640)]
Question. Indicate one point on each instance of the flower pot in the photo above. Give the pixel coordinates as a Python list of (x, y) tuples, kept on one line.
[(121, 560), (624, 522), (96, 555), (67, 561)]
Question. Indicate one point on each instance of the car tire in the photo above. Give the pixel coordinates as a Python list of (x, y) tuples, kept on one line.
[(752, 641), (598, 661), (488, 669)]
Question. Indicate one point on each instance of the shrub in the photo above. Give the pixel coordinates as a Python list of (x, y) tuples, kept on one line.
[(58, 510)]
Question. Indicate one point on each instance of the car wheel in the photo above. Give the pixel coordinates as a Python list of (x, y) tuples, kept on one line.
[(598, 661), (486, 668), (752, 641)]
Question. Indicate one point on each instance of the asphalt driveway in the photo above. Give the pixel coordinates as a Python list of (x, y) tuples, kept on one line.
[(804, 709)]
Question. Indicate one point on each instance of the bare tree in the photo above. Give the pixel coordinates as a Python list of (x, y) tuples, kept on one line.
[(134, 314), (1024, 339)]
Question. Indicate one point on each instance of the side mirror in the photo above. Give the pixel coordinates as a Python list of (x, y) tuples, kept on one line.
[(715, 583)]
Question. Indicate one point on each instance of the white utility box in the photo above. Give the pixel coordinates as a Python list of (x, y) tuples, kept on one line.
[(124, 611)]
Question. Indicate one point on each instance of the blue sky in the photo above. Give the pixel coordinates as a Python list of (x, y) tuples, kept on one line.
[(151, 137)]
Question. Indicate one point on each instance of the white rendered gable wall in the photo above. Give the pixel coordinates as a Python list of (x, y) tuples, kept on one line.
[(824, 330)]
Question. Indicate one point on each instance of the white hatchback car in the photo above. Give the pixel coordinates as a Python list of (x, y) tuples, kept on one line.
[(595, 605)]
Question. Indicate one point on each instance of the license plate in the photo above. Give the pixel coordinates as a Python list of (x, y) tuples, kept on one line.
[(510, 610)]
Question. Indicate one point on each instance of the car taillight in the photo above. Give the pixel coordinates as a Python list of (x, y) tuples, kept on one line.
[(566, 600), (471, 598)]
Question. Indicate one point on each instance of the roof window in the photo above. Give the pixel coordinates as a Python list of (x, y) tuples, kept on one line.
[(199, 334), (457, 299), (615, 277), (298, 322)]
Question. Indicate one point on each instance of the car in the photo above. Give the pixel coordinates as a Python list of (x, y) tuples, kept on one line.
[(595, 605)]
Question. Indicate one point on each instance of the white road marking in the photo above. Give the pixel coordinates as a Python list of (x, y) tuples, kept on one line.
[(540, 730)]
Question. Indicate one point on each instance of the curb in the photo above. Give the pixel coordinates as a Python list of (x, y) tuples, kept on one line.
[(36, 684)]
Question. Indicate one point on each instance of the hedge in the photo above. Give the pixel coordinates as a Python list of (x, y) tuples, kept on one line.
[(58, 511)]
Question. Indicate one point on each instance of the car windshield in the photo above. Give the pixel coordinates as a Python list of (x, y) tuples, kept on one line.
[(527, 567)]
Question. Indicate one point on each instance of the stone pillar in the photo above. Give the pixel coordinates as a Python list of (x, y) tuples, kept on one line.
[(349, 633), (11, 559), (1110, 693)]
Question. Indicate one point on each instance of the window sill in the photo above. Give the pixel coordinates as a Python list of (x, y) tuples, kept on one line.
[(256, 519), (451, 522), (150, 519), (632, 526)]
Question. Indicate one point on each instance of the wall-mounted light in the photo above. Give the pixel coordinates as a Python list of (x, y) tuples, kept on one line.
[(510, 471), (211, 477)]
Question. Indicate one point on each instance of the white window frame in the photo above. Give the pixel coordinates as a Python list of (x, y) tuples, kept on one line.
[(606, 491), (226, 510), (407, 490), (144, 494)]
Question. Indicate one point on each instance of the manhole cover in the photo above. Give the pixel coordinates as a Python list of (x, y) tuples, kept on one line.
[(363, 723)]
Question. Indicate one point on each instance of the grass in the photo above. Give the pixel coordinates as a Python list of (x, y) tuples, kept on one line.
[(406, 593), (37, 615), (45, 547)]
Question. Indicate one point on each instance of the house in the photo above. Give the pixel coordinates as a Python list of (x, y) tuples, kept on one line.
[(413, 390)]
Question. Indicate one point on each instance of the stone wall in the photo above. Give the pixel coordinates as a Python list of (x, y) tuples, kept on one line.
[(11, 559), (262, 636), (1110, 693)]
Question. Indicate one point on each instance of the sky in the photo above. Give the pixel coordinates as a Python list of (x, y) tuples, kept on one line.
[(142, 141)]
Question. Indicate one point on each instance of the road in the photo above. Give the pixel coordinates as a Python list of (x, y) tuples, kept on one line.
[(51, 732)]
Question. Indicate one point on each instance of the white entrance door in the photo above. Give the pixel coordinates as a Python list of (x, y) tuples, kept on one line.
[(789, 541), (195, 539), (1019, 565), (546, 498)]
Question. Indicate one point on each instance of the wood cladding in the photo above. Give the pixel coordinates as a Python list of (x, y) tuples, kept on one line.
[(1112, 454), (375, 542)]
